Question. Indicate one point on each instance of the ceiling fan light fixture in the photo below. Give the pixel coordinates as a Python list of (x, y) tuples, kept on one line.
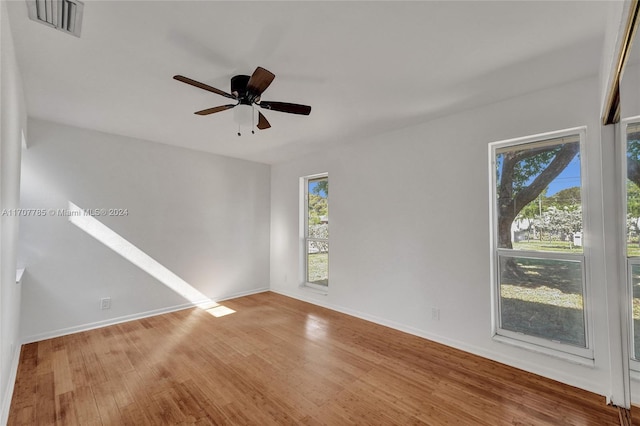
[(243, 115)]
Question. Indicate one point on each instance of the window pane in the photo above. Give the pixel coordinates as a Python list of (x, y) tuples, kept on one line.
[(318, 208), (539, 201), (317, 231), (543, 298), (633, 229), (318, 262), (633, 190)]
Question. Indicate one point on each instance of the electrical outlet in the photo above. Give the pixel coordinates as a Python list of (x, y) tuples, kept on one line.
[(105, 303), (435, 314)]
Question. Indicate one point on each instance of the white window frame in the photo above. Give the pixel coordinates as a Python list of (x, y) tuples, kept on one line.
[(583, 355), (629, 262), (304, 232)]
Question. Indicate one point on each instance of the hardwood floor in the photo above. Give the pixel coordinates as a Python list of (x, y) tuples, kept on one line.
[(278, 361)]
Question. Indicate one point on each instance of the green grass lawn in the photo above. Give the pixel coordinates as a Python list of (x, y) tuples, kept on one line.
[(633, 249), (561, 246), (545, 301), (543, 297), (318, 268)]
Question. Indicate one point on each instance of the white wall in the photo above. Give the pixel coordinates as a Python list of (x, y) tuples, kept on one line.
[(12, 122), (203, 217), (409, 218)]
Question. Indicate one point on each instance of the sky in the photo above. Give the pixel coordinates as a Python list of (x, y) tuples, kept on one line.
[(312, 187), (569, 177)]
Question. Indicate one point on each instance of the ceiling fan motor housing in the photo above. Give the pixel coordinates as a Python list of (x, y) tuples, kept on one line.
[(239, 86)]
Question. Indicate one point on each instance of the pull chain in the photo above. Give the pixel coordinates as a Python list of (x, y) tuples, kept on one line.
[(253, 119)]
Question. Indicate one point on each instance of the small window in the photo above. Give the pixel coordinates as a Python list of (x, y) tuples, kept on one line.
[(316, 231), (538, 240)]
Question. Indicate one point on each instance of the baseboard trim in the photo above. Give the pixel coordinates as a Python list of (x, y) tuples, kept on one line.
[(13, 373), (132, 317), (475, 350)]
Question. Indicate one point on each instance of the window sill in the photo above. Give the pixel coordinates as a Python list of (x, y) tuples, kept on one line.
[(314, 289), (635, 375), (575, 359)]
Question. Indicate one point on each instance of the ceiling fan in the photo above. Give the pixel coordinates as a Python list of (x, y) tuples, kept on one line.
[(247, 90)]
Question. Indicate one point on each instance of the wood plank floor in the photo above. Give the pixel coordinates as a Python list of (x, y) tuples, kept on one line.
[(279, 361)]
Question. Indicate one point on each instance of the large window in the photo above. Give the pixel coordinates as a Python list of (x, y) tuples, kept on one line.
[(316, 231), (632, 185), (538, 257)]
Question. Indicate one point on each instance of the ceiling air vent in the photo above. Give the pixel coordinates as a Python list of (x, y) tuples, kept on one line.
[(64, 15)]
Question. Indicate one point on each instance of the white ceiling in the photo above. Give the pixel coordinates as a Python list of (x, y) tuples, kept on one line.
[(364, 67)]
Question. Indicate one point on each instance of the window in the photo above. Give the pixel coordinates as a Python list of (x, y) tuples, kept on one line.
[(632, 186), (538, 272), (316, 231)]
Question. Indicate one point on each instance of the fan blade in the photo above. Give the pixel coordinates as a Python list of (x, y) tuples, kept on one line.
[(215, 109), (259, 81), (286, 107), (262, 122), (202, 86)]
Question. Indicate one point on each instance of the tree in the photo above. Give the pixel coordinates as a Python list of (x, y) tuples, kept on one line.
[(633, 199), (322, 186), (318, 203), (569, 197), (317, 208), (531, 213), (522, 176), (560, 221), (318, 213), (633, 210), (633, 157)]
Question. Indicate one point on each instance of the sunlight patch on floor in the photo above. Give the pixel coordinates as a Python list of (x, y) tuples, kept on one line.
[(220, 311), (315, 327)]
